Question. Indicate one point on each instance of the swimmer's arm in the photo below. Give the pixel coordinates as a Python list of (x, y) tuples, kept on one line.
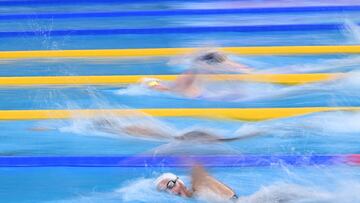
[(198, 177), (236, 67), (144, 131), (202, 180), (162, 88), (185, 80), (187, 84)]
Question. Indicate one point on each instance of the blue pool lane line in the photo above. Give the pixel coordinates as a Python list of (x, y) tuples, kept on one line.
[(72, 2), (177, 30), (174, 161), (57, 2), (179, 12)]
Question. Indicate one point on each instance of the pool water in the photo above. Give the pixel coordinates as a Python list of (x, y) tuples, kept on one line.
[(320, 133)]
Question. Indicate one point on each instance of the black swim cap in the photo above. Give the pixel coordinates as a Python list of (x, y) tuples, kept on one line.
[(212, 58)]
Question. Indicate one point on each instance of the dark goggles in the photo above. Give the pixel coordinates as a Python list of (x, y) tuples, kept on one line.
[(171, 184)]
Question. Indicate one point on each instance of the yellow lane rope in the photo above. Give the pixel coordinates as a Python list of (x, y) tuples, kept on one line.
[(268, 50), (128, 79), (250, 114)]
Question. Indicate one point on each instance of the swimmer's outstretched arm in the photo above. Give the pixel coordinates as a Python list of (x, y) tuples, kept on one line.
[(232, 66), (145, 131), (134, 130), (185, 80), (202, 181), (187, 84)]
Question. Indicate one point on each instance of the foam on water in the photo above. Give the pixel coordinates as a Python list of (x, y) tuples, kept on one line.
[(337, 123), (333, 122), (134, 90), (282, 192), (323, 65), (143, 191), (139, 190)]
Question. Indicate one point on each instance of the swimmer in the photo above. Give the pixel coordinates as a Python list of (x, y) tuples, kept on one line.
[(187, 85), (190, 83), (214, 62), (202, 185), (206, 187), (153, 132)]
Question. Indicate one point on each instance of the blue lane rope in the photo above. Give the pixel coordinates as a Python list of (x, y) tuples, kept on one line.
[(172, 161), (72, 2), (179, 12), (57, 2), (177, 30)]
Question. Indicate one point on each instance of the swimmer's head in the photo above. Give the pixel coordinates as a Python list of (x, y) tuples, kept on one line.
[(171, 183), (212, 58)]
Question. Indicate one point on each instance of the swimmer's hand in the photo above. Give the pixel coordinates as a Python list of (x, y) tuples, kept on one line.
[(232, 66)]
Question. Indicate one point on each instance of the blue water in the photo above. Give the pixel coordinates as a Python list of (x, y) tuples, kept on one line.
[(321, 133)]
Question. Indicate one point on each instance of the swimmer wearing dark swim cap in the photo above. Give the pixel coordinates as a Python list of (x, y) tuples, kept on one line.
[(212, 58), (214, 62)]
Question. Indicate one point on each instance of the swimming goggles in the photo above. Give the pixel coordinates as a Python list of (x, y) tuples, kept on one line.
[(171, 184)]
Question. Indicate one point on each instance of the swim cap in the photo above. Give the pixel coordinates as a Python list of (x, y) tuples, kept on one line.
[(212, 57), (153, 83), (165, 176), (150, 82)]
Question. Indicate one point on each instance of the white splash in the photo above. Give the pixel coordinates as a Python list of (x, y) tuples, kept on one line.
[(143, 190), (282, 192), (334, 122), (134, 90)]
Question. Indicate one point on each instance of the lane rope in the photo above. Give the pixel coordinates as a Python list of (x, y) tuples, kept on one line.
[(177, 12), (177, 161), (161, 52), (290, 79), (59, 2), (175, 30), (248, 114)]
